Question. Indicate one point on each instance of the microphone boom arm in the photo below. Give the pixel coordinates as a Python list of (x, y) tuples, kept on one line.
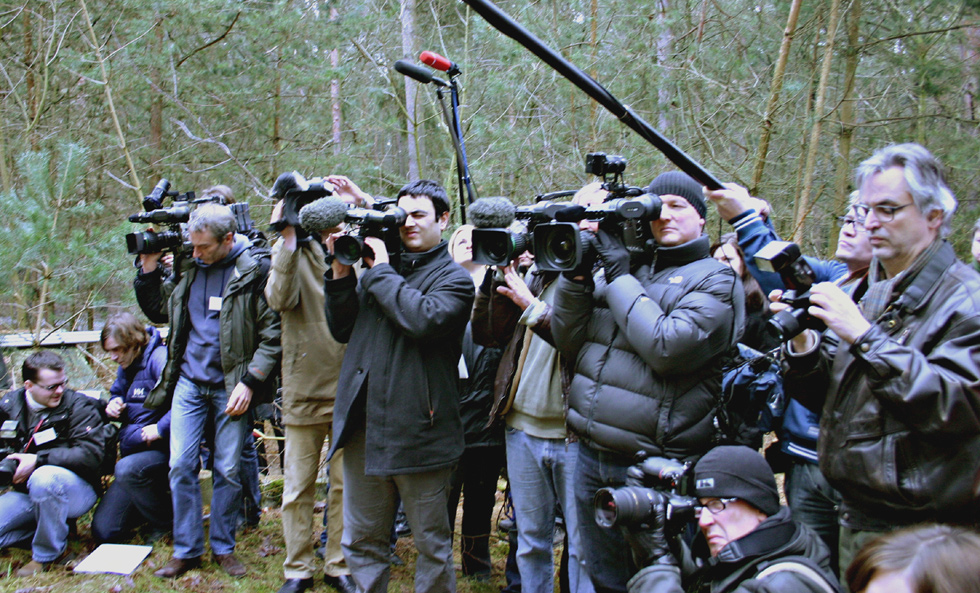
[(509, 27)]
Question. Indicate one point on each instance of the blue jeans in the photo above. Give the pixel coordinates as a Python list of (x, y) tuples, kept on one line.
[(55, 495), (541, 472), (606, 551), (189, 413), (140, 494), (814, 502)]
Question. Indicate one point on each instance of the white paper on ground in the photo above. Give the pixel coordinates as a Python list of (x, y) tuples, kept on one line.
[(114, 558)]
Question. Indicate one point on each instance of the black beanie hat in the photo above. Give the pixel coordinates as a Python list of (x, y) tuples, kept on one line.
[(737, 472), (680, 184)]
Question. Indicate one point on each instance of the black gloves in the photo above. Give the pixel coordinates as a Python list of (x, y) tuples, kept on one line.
[(649, 544), (615, 257)]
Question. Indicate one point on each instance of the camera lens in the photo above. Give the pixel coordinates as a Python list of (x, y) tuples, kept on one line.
[(347, 249), (151, 242), (628, 505), (559, 246), (498, 247)]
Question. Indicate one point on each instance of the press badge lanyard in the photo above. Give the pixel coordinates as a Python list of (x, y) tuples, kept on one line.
[(31, 440)]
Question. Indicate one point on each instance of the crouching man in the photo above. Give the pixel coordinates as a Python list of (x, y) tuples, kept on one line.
[(58, 437), (747, 541)]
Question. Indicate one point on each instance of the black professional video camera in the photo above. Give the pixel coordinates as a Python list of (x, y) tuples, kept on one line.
[(174, 238), (296, 191), (650, 483), (381, 221), (171, 239), (626, 212), (785, 259), (8, 466), (500, 246)]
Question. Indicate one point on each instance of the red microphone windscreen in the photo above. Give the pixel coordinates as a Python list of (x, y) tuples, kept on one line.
[(435, 60)]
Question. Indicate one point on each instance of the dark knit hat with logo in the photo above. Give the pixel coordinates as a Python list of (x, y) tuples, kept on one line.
[(680, 184), (737, 472)]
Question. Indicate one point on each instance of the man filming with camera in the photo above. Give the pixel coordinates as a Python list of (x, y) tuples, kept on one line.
[(54, 442), (897, 373), (311, 367), (649, 336), (223, 350), (396, 415), (747, 541)]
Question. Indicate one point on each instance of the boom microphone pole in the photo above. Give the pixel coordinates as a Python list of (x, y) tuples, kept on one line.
[(466, 192), (509, 27)]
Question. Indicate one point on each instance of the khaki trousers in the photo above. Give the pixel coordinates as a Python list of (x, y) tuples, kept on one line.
[(302, 462)]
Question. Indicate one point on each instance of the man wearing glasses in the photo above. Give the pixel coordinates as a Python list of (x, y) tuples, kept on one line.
[(813, 501), (54, 440), (747, 541), (898, 372)]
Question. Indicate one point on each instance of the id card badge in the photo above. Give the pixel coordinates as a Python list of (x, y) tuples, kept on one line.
[(214, 303), (45, 436)]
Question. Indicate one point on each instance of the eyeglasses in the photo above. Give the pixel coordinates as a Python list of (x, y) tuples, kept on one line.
[(858, 223), (53, 387), (715, 505), (882, 213)]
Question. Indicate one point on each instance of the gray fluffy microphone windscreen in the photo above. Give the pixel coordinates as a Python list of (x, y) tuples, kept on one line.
[(490, 213), (323, 214)]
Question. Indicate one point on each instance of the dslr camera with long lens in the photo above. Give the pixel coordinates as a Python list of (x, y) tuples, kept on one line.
[(785, 259), (8, 466), (500, 246), (381, 221), (627, 211), (173, 217), (653, 482)]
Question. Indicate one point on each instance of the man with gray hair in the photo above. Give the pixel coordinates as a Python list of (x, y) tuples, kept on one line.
[(223, 349), (898, 372)]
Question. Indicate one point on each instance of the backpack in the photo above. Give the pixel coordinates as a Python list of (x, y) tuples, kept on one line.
[(751, 401)]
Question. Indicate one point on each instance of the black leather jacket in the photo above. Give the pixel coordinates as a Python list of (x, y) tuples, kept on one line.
[(900, 431)]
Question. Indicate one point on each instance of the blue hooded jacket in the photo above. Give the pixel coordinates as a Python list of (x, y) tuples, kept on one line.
[(133, 384)]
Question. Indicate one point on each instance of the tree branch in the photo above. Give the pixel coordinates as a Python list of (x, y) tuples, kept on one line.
[(210, 43)]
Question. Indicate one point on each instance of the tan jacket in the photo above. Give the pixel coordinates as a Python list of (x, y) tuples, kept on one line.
[(310, 356)]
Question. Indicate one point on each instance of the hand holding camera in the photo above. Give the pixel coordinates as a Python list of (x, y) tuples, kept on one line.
[(649, 543), (615, 257)]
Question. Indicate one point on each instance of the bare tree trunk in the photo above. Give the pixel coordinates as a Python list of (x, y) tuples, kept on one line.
[(848, 120), (32, 107), (594, 49), (134, 178), (803, 209), (663, 57), (276, 114), (411, 87), (774, 92), (156, 104), (335, 110)]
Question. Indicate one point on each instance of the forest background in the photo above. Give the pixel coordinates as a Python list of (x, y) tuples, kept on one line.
[(99, 100)]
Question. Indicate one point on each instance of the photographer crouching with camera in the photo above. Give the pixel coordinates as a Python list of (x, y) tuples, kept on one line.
[(649, 336), (747, 541), (52, 442)]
